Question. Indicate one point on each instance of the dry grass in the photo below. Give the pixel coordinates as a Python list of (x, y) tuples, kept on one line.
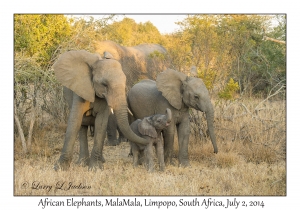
[(251, 161)]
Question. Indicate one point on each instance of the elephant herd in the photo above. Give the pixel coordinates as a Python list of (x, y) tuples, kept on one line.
[(132, 89)]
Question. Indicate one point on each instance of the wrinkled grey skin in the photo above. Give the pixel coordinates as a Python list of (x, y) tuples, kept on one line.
[(143, 61), (178, 92), (93, 86), (88, 120), (150, 128), (139, 62)]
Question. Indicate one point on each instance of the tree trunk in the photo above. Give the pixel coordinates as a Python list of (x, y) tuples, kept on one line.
[(32, 120), (21, 133)]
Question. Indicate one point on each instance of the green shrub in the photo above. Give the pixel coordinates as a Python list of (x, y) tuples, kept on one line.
[(229, 90), (208, 77)]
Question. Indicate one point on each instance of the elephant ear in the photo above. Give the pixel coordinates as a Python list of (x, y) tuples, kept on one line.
[(146, 129), (193, 71), (73, 70), (169, 82)]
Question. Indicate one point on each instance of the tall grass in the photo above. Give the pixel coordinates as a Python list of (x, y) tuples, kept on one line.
[(251, 159)]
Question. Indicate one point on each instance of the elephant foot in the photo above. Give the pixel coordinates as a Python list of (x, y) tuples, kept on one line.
[(102, 159), (114, 142), (96, 162), (94, 165), (141, 160), (184, 163), (135, 164), (150, 169), (162, 167), (123, 139), (83, 161), (62, 165), (170, 161)]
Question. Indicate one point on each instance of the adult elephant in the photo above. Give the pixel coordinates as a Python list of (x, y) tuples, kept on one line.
[(178, 92), (143, 61), (93, 85), (139, 62)]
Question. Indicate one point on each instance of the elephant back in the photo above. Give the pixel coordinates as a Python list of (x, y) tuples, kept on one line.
[(113, 48), (134, 127), (143, 61), (150, 48)]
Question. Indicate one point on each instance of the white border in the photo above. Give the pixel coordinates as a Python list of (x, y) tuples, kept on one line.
[(10, 202)]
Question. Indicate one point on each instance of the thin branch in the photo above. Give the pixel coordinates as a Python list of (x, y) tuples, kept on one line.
[(269, 96), (246, 109), (273, 40), (276, 182), (256, 117)]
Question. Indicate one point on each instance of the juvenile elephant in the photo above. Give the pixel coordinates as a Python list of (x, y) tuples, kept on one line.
[(139, 62), (178, 92), (92, 85), (150, 128)]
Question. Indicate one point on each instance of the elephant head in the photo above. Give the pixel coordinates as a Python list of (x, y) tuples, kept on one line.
[(181, 90), (88, 76), (150, 125)]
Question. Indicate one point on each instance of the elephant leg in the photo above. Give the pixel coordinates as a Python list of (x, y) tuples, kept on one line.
[(83, 143), (168, 135), (183, 130), (135, 154), (96, 158), (160, 154), (141, 158), (92, 130), (79, 106), (122, 138), (112, 131), (149, 156)]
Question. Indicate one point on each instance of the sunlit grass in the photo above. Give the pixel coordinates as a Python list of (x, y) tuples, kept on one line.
[(251, 161)]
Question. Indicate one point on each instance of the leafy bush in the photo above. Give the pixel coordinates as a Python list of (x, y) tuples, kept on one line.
[(40, 35), (208, 77), (229, 90)]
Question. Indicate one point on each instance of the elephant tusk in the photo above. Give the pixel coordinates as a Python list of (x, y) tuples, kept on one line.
[(129, 111), (111, 110)]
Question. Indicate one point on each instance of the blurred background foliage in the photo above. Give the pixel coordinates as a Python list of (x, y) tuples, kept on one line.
[(220, 46)]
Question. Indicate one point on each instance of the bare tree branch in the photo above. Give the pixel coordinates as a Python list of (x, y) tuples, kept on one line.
[(270, 95), (273, 40)]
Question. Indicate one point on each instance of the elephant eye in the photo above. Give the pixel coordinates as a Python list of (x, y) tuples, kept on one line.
[(196, 97), (103, 82)]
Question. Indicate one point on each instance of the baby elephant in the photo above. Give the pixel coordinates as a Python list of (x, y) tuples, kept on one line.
[(150, 128)]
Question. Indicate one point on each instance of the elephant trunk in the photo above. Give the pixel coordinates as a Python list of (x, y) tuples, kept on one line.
[(122, 120), (210, 124)]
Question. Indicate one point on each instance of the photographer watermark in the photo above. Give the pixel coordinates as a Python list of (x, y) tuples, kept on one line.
[(60, 185)]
